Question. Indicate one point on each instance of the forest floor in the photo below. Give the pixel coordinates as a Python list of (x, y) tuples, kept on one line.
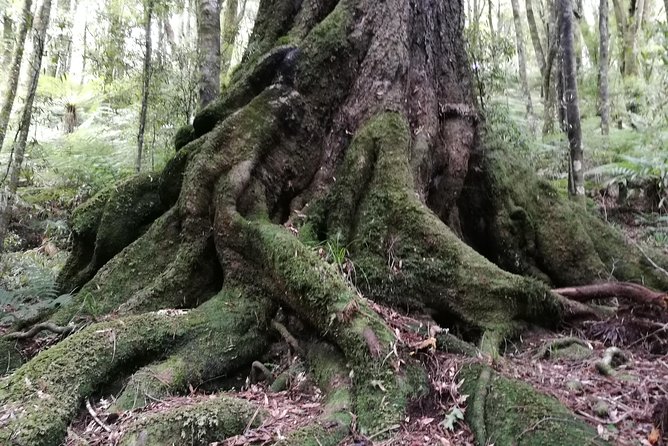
[(620, 406)]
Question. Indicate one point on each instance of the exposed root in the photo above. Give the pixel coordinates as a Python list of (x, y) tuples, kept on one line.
[(569, 346), (62, 330), (504, 411), (632, 291), (287, 336), (232, 333), (257, 368), (613, 358), (200, 424)]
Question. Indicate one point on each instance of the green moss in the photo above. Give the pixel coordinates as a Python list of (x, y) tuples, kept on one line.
[(183, 136), (325, 46), (234, 333), (54, 383), (405, 256), (195, 424), (509, 412), (533, 229)]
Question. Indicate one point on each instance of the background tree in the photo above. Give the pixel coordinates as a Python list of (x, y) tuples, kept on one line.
[(574, 132), (7, 37), (603, 61), (38, 43), (535, 37), (208, 47), (146, 79), (521, 59), (15, 70)]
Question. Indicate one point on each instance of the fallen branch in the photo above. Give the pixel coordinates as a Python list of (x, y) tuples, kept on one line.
[(39, 327), (607, 290)]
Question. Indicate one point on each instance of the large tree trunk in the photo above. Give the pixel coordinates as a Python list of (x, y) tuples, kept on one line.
[(208, 47), (603, 61), (15, 70), (9, 192), (360, 136), (521, 58)]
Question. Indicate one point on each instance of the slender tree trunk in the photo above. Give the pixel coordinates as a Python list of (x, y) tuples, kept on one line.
[(208, 46), (13, 80), (39, 38), (60, 44), (551, 72), (575, 171), (7, 39), (146, 82), (603, 67), (490, 11), (84, 44), (231, 19), (521, 59), (631, 40), (665, 9), (535, 38)]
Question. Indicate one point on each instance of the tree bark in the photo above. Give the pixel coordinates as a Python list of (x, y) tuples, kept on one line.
[(603, 61), (338, 173), (7, 39), (573, 129), (630, 62), (521, 58), (208, 47), (231, 21), (490, 12), (39, 40), (15, 70), (146, 80), (550, 77), (535, 38)]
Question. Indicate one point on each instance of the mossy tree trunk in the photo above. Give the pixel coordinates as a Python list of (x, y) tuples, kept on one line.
[(344, 164)]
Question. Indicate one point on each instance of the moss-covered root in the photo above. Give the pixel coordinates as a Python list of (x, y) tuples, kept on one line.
[(40, 398), (408, 256), (319, 295), (528, 227), (332, 376), (106, 224), (194, 424), (234, 331), (44, 394), (507, 412)]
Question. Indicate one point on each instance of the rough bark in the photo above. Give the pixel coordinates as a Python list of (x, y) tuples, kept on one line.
[(573, 129), (39, 39), (550, 80), (146, 80), (634, 24), (521, 57), (208, 47), (231, 20), (349, 125), (15, 70), (7, 39), (535, 38), (603, 61)]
